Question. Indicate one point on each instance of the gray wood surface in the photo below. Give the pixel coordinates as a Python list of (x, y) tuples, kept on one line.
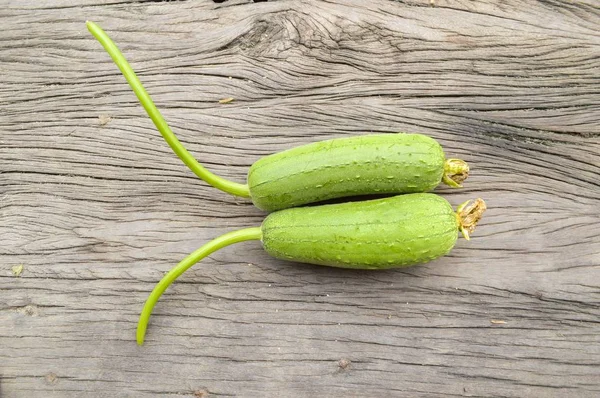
[(96, 208)]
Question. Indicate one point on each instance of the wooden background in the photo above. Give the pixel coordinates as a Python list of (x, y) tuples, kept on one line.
[(96, 208)]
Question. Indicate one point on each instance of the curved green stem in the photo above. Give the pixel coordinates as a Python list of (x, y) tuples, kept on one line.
[(227, 239), (111, 48)]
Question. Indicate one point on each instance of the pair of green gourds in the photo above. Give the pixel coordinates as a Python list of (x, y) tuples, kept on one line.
[(395, 231)]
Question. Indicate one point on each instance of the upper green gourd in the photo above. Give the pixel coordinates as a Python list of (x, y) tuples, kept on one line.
[(363, 165)]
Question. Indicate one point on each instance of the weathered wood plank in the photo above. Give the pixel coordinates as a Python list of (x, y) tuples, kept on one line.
[(97, 211)]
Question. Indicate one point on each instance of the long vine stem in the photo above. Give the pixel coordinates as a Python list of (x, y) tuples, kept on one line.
[(111, 48), (209, 248)]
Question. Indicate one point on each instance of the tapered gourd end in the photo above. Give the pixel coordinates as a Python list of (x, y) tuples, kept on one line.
[(469, 214), (455, 172)]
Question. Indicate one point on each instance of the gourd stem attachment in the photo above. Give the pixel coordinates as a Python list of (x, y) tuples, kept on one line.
[(111, 48), (222, 241), (455, 172), (468, 214)]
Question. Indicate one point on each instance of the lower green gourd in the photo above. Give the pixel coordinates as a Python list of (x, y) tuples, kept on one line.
[(376, 234), (384, 233)]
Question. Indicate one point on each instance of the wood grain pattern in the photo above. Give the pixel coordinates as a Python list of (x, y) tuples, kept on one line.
[(97, 208)]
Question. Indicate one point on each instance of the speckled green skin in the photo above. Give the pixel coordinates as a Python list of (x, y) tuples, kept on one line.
[(363, 165), (384, 233)]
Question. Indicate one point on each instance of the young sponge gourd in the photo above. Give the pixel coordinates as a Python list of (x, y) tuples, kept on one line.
[(398, 231), (342, 167)]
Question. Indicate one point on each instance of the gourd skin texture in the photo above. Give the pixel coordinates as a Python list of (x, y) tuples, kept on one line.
[(363, 165), (384, 233)]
